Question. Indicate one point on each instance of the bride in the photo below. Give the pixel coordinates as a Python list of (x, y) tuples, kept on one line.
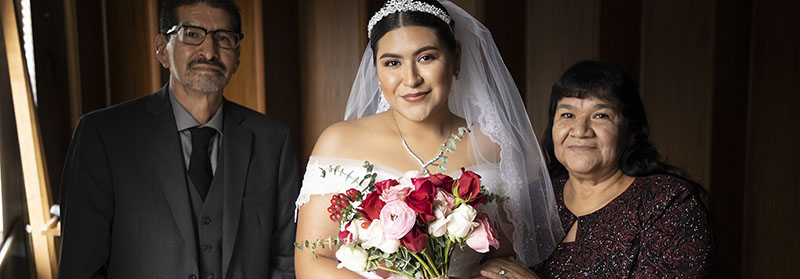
[(431, 68)]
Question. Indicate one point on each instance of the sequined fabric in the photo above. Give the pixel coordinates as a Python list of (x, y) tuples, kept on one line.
[(657, 228)]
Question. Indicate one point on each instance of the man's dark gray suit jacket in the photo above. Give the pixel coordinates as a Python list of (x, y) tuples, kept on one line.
[(125, 204)]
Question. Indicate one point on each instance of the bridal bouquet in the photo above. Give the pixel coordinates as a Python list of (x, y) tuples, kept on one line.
[(410, 225)]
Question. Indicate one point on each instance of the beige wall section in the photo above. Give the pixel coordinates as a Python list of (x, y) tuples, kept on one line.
[(559, 33), (676, 81), (133, 68), (333, 38), (247, 85)]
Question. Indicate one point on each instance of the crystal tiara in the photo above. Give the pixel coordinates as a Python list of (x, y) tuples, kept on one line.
[(394, 6)]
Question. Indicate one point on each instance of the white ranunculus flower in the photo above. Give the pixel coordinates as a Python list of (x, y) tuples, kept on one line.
[(352, 258), (373, 237), (355, 228), (438, 227), (460, 223)]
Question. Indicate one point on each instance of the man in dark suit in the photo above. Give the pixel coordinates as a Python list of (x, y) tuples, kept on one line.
[(181, 183)]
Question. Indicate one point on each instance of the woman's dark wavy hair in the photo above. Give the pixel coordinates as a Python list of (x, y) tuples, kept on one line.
[(604, 81), (399, 19)]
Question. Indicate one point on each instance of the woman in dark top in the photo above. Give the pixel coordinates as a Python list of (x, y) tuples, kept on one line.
[(626, 213)]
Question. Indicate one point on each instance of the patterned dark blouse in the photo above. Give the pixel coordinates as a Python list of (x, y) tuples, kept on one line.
[(657, 228)]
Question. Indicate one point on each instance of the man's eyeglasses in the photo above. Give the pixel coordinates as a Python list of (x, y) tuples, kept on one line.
[(194, 35)]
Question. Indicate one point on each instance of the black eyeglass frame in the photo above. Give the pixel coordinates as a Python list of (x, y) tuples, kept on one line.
[(177, 27)]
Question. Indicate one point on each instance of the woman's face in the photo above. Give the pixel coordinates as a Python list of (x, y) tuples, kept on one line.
[(589, 136), (415, 71)]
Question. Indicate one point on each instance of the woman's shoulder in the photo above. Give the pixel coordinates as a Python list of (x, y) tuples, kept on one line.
[(342, 138), (662, 192), (666, 185)]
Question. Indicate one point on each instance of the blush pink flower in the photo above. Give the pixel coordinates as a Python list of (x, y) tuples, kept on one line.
[(443, 195), (397, 192), (397, 219), (482, 236)]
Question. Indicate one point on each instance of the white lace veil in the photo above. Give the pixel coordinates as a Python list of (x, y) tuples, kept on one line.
[(485, 94)]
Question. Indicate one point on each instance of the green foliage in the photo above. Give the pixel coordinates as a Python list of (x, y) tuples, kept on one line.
[(450, 147)]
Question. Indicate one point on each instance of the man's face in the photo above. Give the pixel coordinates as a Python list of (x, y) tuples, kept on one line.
[(205, 67)]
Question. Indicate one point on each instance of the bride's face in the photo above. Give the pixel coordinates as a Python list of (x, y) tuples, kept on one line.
[(415, 70)]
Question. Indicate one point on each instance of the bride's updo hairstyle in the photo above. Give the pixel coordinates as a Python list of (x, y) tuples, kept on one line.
[(399, 19)]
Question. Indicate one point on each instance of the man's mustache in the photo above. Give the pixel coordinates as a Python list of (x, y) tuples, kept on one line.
[(202, 60)]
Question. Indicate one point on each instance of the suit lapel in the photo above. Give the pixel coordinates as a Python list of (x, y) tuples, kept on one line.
[(236, 144), (163, 141)]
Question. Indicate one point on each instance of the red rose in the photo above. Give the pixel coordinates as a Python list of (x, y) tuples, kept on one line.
[(442, 181), (469, 185), (477, 200), (423, 184), (345, 236), (385, 184), (415, 240), (371, 206), (422, 203)]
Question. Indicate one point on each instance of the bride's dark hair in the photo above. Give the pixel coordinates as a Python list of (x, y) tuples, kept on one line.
[(411, 18)]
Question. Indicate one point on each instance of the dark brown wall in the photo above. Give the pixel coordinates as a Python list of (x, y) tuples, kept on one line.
[(771, 194)]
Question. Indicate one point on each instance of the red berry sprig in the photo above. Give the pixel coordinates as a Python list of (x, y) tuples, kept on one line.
[(340, 203)]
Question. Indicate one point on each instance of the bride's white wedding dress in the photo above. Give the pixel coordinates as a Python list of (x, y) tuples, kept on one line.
[(462, 262)]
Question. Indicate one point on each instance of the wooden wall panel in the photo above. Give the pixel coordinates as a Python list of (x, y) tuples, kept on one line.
[(282, 68), (558, 34), (676, 81), (772, 194), (131, 30), (334, 38), (729, 133), (247, 85), (13, 191)]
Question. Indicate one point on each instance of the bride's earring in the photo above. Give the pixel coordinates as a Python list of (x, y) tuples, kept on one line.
[(383, 104)]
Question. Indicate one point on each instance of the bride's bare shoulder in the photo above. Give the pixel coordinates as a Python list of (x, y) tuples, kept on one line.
[(343, 139)]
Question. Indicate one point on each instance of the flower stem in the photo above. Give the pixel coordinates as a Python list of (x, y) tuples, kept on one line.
[(424, 265), (395, 271), (430, 261), (446, 257)]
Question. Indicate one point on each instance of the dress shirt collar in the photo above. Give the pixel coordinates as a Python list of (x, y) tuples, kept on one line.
[(184, 120)]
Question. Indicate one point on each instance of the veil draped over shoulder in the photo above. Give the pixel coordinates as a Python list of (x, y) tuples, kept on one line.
[(485, 95)]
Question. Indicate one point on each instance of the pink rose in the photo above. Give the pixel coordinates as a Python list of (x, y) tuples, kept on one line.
[(397, 219), (482, 236), (446, 197), (397, 192)]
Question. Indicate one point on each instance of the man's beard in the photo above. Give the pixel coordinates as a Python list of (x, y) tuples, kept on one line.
[(205, 81)]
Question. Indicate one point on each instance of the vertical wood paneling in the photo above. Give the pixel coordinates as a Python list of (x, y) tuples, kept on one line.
[(13, 191), (334, 38), (281, 65), (247, 85), (676, 81), (772, 194), (133, 68), (559, 33), (34, 172), (729, 132)]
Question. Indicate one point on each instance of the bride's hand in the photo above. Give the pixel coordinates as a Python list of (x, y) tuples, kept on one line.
[(502, 268)]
